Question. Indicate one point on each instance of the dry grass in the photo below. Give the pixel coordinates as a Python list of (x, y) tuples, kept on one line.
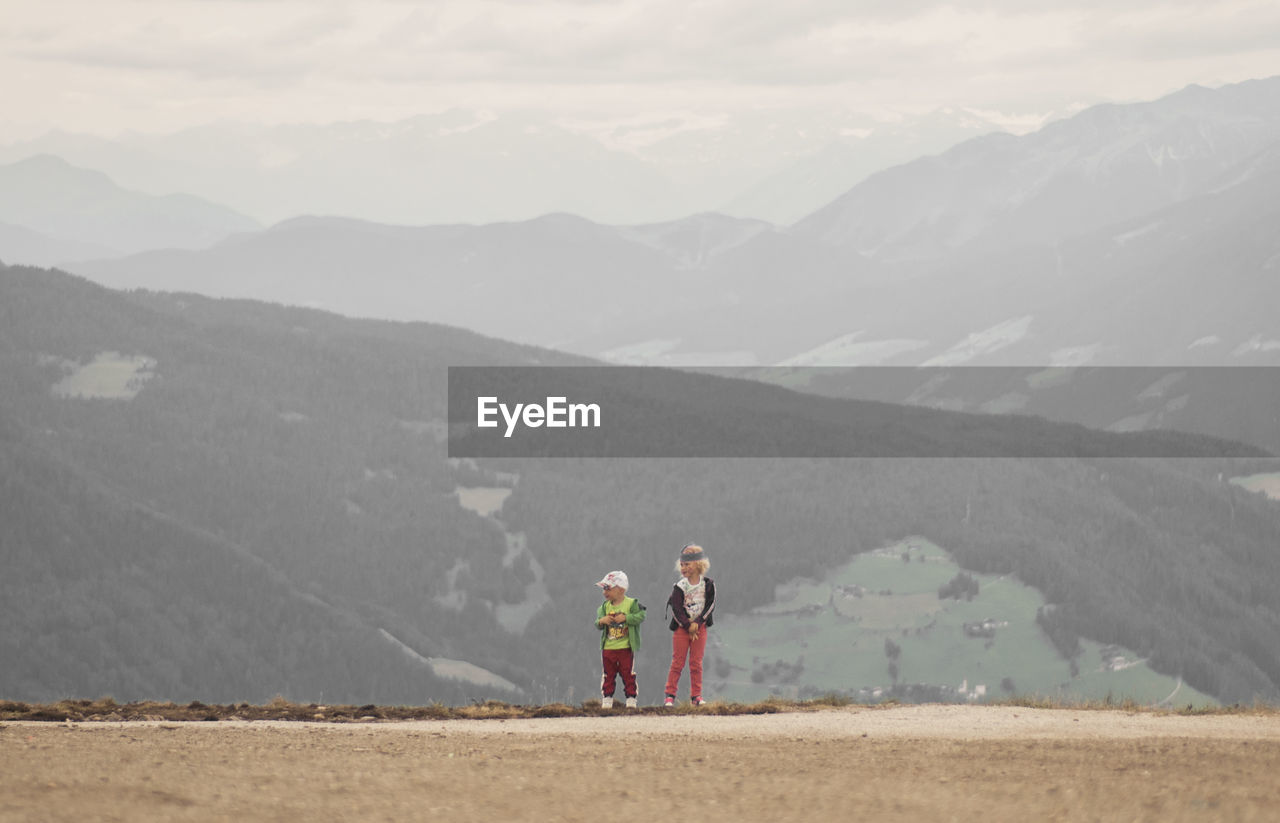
[(107, 709), (1128, 705)]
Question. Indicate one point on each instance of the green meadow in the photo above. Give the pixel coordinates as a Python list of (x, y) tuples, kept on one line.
[(1268, 484), (110, 375), (876, 628)]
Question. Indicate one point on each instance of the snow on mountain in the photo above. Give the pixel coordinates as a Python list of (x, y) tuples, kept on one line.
[(986, 341), (850, 350)]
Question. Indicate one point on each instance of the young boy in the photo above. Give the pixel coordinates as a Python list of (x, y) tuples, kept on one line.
[(618, 618)]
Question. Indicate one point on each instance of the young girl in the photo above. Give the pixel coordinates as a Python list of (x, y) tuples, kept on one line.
[(693, 600)]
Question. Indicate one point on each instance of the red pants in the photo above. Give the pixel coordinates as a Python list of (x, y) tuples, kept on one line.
[(681, 647), (618, 662)]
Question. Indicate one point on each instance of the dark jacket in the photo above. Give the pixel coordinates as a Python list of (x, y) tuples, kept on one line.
[(680, 618)]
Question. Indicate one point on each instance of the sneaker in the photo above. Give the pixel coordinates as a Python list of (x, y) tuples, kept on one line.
[(631, 703), (669, 702), (698, 701), (606, 702)]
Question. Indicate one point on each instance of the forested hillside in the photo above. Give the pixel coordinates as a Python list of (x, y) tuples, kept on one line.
[(108, 597), (263, 496), (279, 474)]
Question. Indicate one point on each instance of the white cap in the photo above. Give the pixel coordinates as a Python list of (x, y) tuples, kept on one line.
[(614, 579)]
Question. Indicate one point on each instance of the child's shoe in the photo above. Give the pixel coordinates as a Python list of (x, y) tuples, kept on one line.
[(669, 702), (631, 703), (606, 702), (698, 701)]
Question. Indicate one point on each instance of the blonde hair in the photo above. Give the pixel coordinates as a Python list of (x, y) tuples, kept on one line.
[(703, 564)]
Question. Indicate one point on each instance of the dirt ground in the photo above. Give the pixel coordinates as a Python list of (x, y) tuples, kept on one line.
[(914, 763)]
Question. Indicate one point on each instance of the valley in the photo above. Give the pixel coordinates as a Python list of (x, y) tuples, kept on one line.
[(879, 627), (286, 470)]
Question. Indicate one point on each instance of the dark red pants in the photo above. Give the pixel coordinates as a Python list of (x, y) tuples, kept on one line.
[(618, 662)]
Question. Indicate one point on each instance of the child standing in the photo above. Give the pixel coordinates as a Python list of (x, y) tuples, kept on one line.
[(618, 618), (693, 599)]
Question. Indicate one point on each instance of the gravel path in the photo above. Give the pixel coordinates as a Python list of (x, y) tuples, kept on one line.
[(909, 764), (905, 722)]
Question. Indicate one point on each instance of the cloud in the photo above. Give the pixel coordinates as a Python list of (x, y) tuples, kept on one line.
[(630, 41), (319, 59), (1201, 31), (201, 48)]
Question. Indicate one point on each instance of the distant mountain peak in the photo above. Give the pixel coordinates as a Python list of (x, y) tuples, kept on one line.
[(43, 160), (76, 209), (44, 167)]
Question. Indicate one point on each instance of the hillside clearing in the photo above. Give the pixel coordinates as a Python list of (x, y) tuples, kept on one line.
[(109, 375)]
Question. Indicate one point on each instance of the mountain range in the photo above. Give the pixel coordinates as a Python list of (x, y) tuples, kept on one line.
[(478, 166), (1105, 165), (1125, 235)]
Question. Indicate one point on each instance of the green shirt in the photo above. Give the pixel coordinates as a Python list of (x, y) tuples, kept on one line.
[(616, 635), (621, 635)]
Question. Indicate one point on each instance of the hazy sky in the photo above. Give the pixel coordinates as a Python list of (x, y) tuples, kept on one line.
[(104, 66)]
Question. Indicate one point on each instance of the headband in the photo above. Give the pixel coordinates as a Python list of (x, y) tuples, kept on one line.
[(692, 557)]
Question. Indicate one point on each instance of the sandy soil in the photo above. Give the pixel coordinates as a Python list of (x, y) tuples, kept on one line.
[(909, 764)]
